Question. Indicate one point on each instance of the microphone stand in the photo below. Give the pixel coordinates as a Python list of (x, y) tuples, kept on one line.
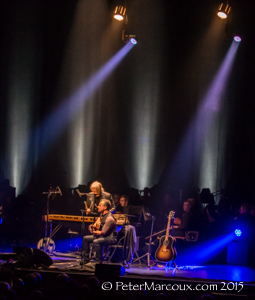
[(49, 193)]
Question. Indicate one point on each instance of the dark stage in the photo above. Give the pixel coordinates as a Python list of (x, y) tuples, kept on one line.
[(158, 122)]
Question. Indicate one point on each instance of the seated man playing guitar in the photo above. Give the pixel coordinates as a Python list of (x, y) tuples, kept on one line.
[(103, 232)]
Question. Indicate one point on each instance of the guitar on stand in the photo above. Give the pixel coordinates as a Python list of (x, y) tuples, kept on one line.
[(166, 251)]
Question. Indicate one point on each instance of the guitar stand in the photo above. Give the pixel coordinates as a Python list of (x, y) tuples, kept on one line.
[(168, 264), (162, 252)]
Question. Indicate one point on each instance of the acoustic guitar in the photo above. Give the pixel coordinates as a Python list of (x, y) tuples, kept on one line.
[(166, 251), (96, 225)]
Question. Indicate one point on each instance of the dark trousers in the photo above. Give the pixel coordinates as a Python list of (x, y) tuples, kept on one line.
[(98, 243)]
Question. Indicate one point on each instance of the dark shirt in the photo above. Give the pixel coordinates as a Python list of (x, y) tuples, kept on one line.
[(118, 208), (189, 221), (92, 202), (125, 209), (108, 225)]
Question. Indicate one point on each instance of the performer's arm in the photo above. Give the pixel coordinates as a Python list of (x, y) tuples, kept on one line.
[(113, 207), (90, 228), (87, 206)]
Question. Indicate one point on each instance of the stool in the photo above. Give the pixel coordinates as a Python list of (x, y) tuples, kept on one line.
[(73, 234)]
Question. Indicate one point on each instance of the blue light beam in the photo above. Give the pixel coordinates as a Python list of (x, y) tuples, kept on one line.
[(208, 127), (186, 159), (54, 125), (214, 247), (205, 251)]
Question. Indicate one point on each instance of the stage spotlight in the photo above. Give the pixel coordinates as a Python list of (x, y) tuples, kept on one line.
[(129, 38), (223, 10), (238, 232), (237, 38), (119, 13), (133, 41)]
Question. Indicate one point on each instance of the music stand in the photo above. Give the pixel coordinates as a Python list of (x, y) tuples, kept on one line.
[(148, 217)]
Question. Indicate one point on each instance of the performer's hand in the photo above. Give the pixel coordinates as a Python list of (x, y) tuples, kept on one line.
[(90, 228), (97, 233), (88, 211)]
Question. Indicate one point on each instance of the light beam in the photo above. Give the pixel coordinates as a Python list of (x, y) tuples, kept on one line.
[(200, 142), (54, 125)]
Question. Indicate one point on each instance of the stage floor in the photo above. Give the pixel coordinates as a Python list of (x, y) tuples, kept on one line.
[(233, 273), (231, 280), (228, 280)]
